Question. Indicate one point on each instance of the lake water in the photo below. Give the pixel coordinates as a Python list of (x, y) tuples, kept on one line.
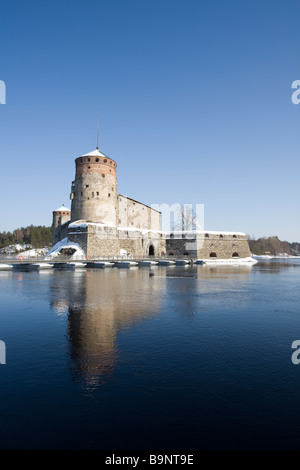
[(187, 358)]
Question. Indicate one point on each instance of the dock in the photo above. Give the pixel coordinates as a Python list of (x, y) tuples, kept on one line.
[(113, 262)]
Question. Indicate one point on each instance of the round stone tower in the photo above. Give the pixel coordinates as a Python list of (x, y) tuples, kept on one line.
[(94, 191), (60, 217)]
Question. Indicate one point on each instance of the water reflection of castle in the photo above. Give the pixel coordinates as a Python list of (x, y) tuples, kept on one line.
[(99, 305)]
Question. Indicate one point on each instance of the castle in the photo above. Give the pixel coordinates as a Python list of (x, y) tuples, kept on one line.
[(103, 223)]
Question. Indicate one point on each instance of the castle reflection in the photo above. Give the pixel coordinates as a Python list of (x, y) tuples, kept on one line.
[(99, 305)]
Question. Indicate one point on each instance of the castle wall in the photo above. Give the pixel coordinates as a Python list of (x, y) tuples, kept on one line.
[(182, 247), (209, 245), (100, 241), (134, 214), (138, 243)]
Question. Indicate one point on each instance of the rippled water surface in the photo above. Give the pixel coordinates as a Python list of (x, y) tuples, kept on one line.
[(184, 358)]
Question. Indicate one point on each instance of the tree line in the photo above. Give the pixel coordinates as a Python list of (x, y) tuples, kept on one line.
[(36, 236), (272, 246)]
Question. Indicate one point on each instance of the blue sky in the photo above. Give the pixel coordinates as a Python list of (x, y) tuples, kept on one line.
[(194, 99)]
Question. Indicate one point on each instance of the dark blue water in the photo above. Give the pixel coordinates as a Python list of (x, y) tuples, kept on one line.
[(188, 358)]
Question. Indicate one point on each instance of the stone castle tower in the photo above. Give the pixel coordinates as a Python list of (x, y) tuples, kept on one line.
[(94, 192), (59, 229)]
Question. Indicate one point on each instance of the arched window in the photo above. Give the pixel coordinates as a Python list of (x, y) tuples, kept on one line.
[(171, 253), (235, 255), (213, 255)]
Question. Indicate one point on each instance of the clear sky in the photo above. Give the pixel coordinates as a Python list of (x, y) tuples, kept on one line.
[(194, 99)]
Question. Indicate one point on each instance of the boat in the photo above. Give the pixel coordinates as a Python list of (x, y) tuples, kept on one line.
[(166, 262), (182, 262), (5, 267), (66, 265), (147, 263), (99, 264), (41, 266), (125, 264)]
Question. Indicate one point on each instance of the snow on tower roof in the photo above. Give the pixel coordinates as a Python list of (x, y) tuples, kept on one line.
[(94, 153), (62, 209)]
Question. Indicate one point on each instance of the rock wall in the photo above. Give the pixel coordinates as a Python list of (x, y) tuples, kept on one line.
[(221, 245), (134, 214)]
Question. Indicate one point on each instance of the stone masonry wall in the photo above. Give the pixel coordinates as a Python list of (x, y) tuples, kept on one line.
[(95, 198), (225, 246), (209, 245), (134, 214), (99, 241)]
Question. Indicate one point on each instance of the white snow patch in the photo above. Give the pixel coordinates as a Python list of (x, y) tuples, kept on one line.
[(64, 243), (62, 209), (95, 153)]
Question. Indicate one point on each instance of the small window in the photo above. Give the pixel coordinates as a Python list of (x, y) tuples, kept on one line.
[(93, 194), (206, 235), (89, 167), (104, 161), (97, 160), (108, 194), (172, 235), (86, 185), (103, 175), (235, 255), (97, 193), (171, 253), (221, 236), (234, 236), (89, 159), (213, 255)]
